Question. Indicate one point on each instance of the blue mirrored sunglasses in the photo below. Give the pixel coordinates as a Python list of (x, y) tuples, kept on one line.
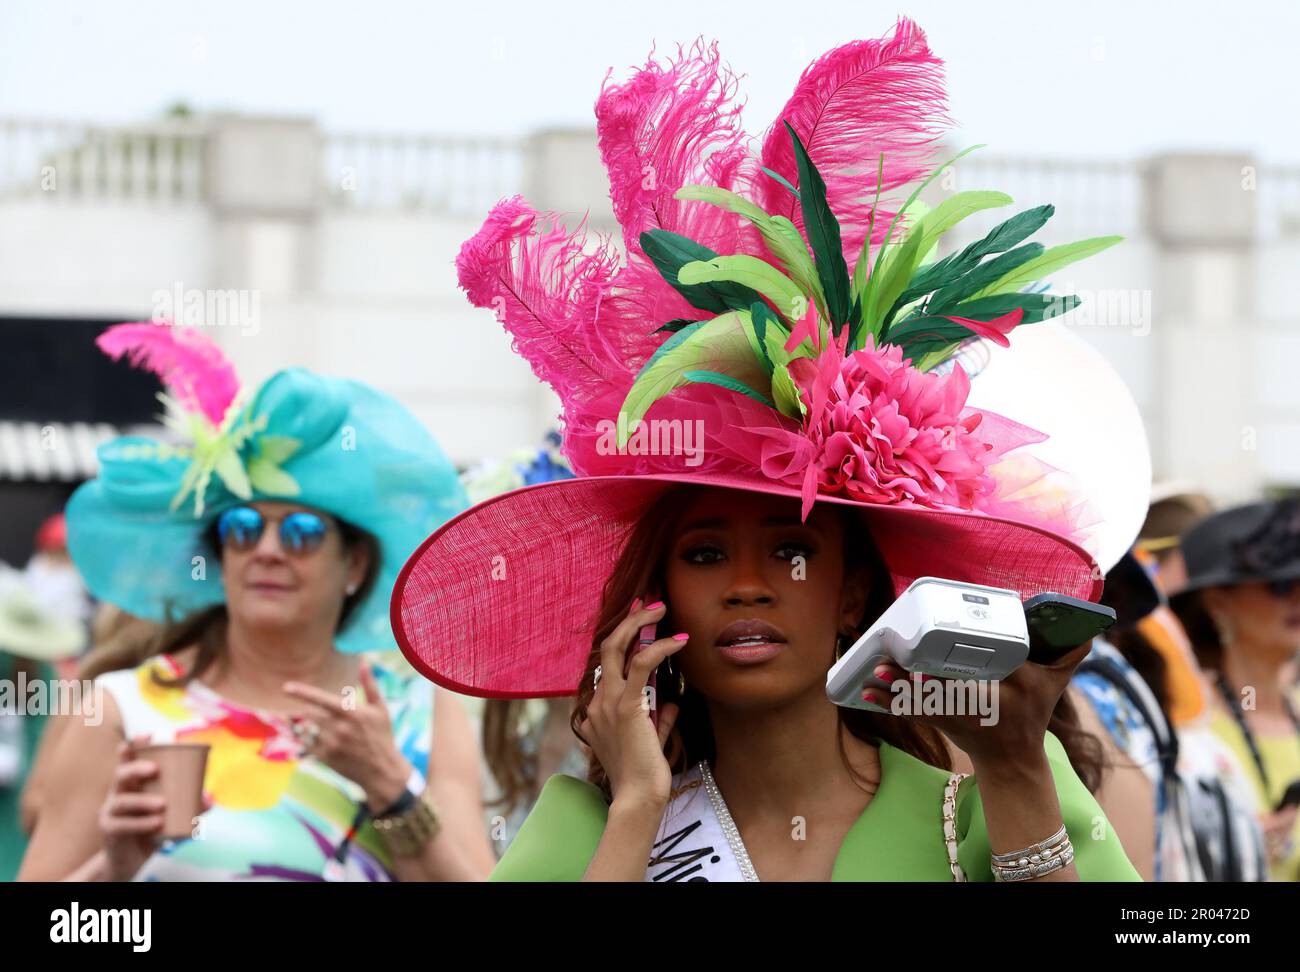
[(240, 528)]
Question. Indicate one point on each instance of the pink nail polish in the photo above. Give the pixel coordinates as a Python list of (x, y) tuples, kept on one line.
[(636, 603), (656, 604), (886, 676), (681, 637), (870, 698)]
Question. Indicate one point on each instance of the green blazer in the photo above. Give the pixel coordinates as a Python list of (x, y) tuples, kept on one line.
[(899, 836)]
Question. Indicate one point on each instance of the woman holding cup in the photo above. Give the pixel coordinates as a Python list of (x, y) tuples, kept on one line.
[(275, 539)]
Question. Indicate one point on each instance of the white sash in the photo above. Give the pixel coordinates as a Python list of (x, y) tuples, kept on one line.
[(692, 843)]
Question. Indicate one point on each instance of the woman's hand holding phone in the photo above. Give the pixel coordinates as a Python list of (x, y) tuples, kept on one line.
[(1015, 780), (617, 726), (1015, 729)]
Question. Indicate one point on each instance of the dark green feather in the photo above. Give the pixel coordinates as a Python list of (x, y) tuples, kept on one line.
[(675, 325), (726, 381), (781, 179), (984, 274), (762, 315), (946, 273), (823, 232), (671, 251)]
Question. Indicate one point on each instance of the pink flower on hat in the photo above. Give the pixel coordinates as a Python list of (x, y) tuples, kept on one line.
[(879, 430)]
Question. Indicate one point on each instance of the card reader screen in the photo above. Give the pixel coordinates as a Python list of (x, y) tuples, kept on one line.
[(975, 598)]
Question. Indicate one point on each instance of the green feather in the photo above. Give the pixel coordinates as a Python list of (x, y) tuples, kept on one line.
[(786, 393), (230, 469), (750, 273), (761, 318), (967, 286), (1049, 262), (675, 325), (781, 179), (948, 272), (894, 276), (779, 234), (720, 344), (670, 251), (823, 236), (726, 381), (866, 282), (952, 211), (774, 339), (788, 247), (1035, 308), (926, 361), (267, 477), (277, 448), (1007, 234)]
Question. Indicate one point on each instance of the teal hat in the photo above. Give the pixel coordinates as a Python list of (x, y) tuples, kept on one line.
[(138, 532)]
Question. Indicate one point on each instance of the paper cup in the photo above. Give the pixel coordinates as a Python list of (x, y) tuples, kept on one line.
[(179, 781)]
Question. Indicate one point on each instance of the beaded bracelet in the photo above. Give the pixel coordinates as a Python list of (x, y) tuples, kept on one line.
[(1043, 847), (1024, 870)]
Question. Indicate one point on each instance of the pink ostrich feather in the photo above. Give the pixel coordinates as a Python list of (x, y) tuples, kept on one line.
[(192, 367), (669, 125), (545, 285), (579, 321), (666, 127), (852, 105), (584, 320)]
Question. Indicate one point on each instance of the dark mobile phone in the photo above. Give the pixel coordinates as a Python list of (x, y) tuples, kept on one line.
[(1059, 624), (1291, 798), (663, 682)]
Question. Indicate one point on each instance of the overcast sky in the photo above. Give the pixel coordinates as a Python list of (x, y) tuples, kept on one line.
[(1099, 79)]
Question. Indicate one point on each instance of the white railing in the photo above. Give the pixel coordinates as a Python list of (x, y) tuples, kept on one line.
[(1092, 198), (462, 176), (66, 160), (435, 174)]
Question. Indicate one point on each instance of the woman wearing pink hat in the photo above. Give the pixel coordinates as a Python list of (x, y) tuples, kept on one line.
[(772, 442)]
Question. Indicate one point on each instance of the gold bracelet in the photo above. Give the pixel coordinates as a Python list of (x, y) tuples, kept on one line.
[(405, 835)]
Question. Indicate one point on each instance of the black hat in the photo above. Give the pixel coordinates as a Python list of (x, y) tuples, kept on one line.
[(1259, 542), (1130, 592)]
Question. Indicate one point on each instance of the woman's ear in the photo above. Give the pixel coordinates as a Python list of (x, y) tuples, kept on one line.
[(1215, 601), (358, 555), (853, 600)]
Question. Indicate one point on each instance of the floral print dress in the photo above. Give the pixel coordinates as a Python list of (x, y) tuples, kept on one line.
[(274, 816)]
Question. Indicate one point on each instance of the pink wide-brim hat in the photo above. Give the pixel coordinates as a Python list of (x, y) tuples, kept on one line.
[(924, 438), (502, 600)]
